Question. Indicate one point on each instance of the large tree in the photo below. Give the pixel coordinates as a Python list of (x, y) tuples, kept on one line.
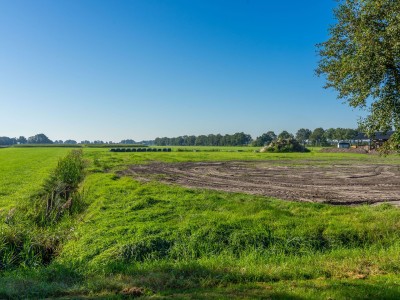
[(22, 140), (39, 139), (303, 134), (285, 135), (317, 137), (262, 140), (361, 60)]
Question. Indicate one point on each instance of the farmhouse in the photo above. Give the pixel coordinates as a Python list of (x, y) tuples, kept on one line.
[(374, 141)]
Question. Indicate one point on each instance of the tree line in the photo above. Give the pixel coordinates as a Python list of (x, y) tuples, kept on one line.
[(43, 139), (317, 137), (237, 139)]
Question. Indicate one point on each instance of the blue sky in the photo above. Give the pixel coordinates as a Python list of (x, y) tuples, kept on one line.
[(113, 70)]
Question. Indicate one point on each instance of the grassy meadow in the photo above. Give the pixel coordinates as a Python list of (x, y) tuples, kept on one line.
[(161, 241), (23, 170)]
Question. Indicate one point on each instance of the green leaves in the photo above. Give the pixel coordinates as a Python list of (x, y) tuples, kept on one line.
[(361, 60)]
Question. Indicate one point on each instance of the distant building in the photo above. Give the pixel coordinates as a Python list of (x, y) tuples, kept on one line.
[(345, 145), (374, 141)]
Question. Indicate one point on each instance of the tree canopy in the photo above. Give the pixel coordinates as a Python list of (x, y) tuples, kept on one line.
[(303, 134), (361, 60), (285, 135), (264, 139), (317, 137), (237, 139), (39, 139)]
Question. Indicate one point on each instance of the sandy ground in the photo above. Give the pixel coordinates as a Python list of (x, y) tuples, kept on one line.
[(335, 184)]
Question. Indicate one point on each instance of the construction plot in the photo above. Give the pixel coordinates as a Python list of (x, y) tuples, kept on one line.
[(343, 184)]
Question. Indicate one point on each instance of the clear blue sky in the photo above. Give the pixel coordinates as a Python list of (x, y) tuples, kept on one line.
[(112, 70)]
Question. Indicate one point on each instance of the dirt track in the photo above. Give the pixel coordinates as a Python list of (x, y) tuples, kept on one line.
[(335, 184)]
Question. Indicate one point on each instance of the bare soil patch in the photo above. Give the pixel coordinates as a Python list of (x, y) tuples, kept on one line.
[(343, 184)]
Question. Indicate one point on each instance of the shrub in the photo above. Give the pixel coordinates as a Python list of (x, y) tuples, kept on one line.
[(285, 145)]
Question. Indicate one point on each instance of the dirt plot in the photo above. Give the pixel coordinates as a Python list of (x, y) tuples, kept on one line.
[(343, 184)]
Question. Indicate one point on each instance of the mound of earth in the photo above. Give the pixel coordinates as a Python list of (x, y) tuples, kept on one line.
[(335, 184)]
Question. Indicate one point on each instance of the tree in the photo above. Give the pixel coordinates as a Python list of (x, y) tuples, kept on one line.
[(127, 141), (302, 135), (361, 60), (330, 134), (5, 141), (350, 134), (39, 139), (317, 137), (272, 135), (70, 142), (22, 140), (263, 140), (340, 134), (285, 135)]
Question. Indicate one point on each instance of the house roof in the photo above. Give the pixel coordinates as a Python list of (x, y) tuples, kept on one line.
[(379, 135)]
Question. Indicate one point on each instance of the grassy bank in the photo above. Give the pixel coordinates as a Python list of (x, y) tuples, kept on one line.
[(33, 230), (163, 241)]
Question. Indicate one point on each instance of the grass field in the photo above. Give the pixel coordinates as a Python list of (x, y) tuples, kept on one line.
[(164, 241), (23, 171)]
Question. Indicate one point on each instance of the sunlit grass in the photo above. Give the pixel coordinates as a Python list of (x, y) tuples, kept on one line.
[(23, 170), (175, 242)]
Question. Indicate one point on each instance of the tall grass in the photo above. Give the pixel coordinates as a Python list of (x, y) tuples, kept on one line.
[(60, 191), (28, 237)]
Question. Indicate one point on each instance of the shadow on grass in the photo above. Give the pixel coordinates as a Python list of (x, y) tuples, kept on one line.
[(197, 282), (186, 282)]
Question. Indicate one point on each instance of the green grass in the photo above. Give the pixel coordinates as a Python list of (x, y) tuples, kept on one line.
[(181, 243), (104, 160), (23, 170), (46, 146)]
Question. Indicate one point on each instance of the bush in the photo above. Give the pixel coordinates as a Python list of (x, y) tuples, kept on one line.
[(285, 145)]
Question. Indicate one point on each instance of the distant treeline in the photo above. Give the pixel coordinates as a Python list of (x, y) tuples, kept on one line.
[(317, 137), (237, 139), (42, 139)]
